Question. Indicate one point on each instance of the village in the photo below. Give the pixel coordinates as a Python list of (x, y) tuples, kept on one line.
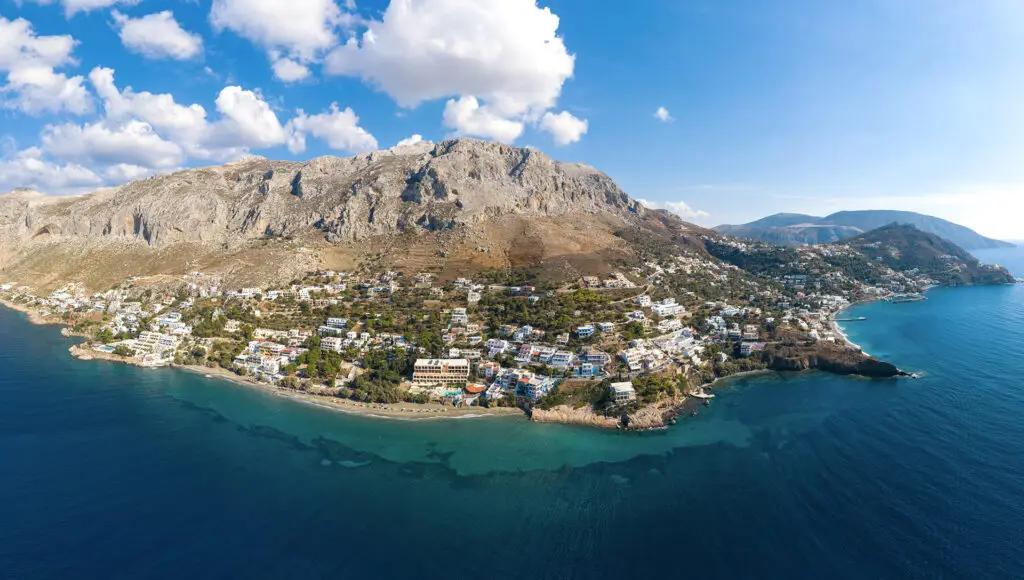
[(394, 338)]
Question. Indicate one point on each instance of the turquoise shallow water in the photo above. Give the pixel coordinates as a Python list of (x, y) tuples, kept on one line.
[(113, 471)]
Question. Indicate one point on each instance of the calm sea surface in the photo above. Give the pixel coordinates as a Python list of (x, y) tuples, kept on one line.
[(109, 471)]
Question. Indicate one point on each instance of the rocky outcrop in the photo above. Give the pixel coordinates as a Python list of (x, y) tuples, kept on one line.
[(565, 414), (417, 187), (414, 206), (794, 355)]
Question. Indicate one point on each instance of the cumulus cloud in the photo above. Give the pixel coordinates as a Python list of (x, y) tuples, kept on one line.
[(185, 125), (72, 7), (338, 128), (142, 133), (299, 30), (288, 70), (466, 116), (158, 36), (680, 208), (662, 115), (564, 127), (247, 119), (29, 60), (410, 140), (104, 143), (503, 62), (123, 172), (28, 169)]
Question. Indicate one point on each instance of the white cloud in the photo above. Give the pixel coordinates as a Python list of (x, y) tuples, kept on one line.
[(124, 172), (104, 143), (28, 169), (506, 53), (40, 89), (564, 127), (411, 140), (72, 7), (185, 125), (301, 30), (339, 129), (662, 115), (248, 121), (29, 61), (502, 61), (142, 133), (680, 208), (157, 36), (467, 117), (288, 70)]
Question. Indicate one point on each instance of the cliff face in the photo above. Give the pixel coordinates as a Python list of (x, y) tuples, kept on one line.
[(793, 355), (509, 205), (420, 186)]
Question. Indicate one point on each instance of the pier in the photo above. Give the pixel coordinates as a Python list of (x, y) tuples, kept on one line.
[(857, 319)]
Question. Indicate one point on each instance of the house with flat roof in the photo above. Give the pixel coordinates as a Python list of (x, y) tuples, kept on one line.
[(430, 371), (622, 392)]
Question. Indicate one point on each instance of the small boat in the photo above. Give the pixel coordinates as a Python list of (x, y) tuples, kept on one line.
[(707, 403), (693, 413)]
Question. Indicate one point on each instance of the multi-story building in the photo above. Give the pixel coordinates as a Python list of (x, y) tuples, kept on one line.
[(623, 392), (335, 343), (440, 371)]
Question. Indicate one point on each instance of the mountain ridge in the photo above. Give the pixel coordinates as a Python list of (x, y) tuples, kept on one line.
[(905, 247), (780, 229), (464, 201)]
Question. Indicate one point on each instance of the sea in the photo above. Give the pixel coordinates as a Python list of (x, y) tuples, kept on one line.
[(110, 471)]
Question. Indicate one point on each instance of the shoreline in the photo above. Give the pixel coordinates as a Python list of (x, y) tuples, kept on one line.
[(397, 411), (666, 414)]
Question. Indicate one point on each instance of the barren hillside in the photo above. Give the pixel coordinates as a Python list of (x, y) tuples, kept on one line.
[(453, 207)]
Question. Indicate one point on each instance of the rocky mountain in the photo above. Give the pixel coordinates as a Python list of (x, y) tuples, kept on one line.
[(453, 206), (904, 247), (799, 229)]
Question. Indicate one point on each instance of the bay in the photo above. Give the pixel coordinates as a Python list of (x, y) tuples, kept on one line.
[(110, 471)]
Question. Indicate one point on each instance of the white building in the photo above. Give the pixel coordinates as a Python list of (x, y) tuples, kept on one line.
[(459, 316), (623, 392), (335, 343), (666, 307)]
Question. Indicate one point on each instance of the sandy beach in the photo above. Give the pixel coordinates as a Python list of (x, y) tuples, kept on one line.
[(403, 411)]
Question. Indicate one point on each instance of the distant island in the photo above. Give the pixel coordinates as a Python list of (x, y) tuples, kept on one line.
[(432, 280), (797, 229)]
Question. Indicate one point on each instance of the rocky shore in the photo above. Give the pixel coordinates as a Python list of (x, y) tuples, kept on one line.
[(796, 353)]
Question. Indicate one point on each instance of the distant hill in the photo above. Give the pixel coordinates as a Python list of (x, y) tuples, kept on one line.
[(799, 229), (904, 247)]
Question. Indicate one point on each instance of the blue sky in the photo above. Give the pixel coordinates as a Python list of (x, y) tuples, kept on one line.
[(810, 106)]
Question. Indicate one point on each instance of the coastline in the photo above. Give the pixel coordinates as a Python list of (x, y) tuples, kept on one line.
[(31, 314), (397, 411), (651, 417)]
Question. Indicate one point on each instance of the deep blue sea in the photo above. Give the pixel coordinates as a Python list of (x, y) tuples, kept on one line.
[(109, 471)]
